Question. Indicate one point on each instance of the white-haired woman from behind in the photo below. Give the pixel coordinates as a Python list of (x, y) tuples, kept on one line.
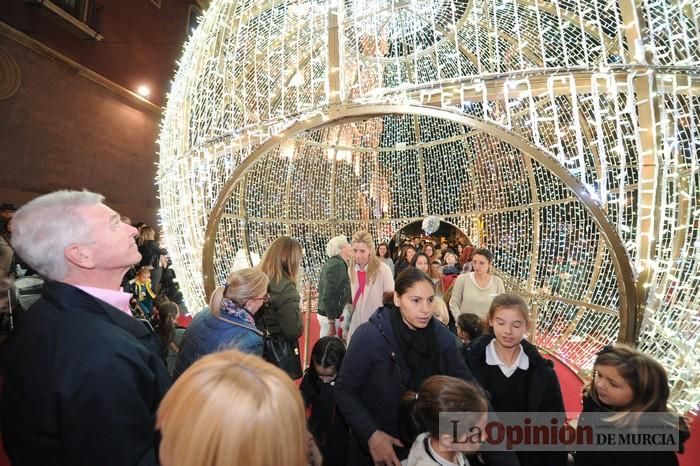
[(334, 285), (233, 408)]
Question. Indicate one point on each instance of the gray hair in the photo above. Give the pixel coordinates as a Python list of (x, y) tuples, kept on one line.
[(335, 245), (44, 227)]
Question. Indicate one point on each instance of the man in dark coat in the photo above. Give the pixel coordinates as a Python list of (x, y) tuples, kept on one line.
[(82, 379)]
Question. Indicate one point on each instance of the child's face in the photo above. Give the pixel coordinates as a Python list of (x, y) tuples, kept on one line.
[(611, 388), (144, 276), (326, 374), (509, 327)]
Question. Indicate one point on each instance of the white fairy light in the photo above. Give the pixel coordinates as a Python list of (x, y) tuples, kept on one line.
[(563, 76)]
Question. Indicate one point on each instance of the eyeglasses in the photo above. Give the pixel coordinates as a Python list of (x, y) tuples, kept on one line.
[(264, 299)]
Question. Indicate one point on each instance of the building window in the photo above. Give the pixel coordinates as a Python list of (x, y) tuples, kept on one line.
[(81, 16), (193, 17)]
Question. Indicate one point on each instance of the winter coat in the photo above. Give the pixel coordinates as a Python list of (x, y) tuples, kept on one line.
[(327, 425), (82, 382), (333, 288), (282, 315), (372, 297), (373, 378), (208, 334), (173, 349), (150, 254), (625, 458), (544, 393)]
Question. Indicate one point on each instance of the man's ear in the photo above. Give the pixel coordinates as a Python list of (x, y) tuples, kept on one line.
[(78, 256)]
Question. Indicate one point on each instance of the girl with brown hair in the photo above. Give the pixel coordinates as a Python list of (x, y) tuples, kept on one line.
[(514, 372), (444, 394), (627, 383)]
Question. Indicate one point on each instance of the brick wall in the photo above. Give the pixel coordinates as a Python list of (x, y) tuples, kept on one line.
[(62, 130)]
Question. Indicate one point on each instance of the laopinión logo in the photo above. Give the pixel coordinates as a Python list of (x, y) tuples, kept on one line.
[(520, 431)]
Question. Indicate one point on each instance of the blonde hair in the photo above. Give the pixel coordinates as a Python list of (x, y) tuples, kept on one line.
[(146, 233), (441, 310), (282, 260), (373, 264), (241, 286), (232, 408)]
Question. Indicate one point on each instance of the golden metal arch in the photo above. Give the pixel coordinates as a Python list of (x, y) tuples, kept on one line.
[(340, 114)]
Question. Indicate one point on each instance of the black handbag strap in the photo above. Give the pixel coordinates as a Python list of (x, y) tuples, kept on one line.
[(238, 324)]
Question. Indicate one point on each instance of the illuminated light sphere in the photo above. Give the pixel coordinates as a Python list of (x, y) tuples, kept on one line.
[(563, 135), (431, 224)]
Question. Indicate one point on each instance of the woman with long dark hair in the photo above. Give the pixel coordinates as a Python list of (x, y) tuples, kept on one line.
[(282, 316), (395, 351)]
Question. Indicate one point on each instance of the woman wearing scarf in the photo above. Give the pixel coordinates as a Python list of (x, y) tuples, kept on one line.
[(395, 351), (229, 322), (370, 280)]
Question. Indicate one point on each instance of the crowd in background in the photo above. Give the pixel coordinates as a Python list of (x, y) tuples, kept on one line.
[(87, 372)]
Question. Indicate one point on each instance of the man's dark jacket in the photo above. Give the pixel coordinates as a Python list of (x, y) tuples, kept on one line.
[(81, 384), (373, 378)]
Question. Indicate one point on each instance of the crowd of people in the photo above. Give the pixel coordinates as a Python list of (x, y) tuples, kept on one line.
[(93, 374)]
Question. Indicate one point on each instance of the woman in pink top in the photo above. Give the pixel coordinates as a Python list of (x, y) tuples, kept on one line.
[(370, 279)]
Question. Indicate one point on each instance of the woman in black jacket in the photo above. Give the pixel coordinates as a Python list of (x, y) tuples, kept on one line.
[(514, 372), (395, 351), (150, 255)]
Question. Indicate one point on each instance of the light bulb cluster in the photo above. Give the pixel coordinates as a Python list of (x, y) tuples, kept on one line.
[(618, 112)]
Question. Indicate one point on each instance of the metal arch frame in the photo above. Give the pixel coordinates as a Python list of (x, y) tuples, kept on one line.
[(338, 114)]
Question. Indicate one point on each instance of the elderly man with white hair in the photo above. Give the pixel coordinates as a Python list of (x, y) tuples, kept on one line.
[(334, 285), (82, 379)]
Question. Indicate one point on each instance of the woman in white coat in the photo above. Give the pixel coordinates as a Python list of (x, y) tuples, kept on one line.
[(370, 280)]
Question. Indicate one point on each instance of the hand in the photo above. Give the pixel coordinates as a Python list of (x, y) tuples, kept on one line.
[(315, 457), (381, 447)]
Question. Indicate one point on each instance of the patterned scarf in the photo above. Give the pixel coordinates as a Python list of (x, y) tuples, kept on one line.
[(232, 309)]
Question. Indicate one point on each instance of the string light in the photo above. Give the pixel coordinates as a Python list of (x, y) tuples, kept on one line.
[(561, 74)]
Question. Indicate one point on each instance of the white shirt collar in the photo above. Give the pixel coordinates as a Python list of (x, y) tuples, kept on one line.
[(492, 359), (460, 459)]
